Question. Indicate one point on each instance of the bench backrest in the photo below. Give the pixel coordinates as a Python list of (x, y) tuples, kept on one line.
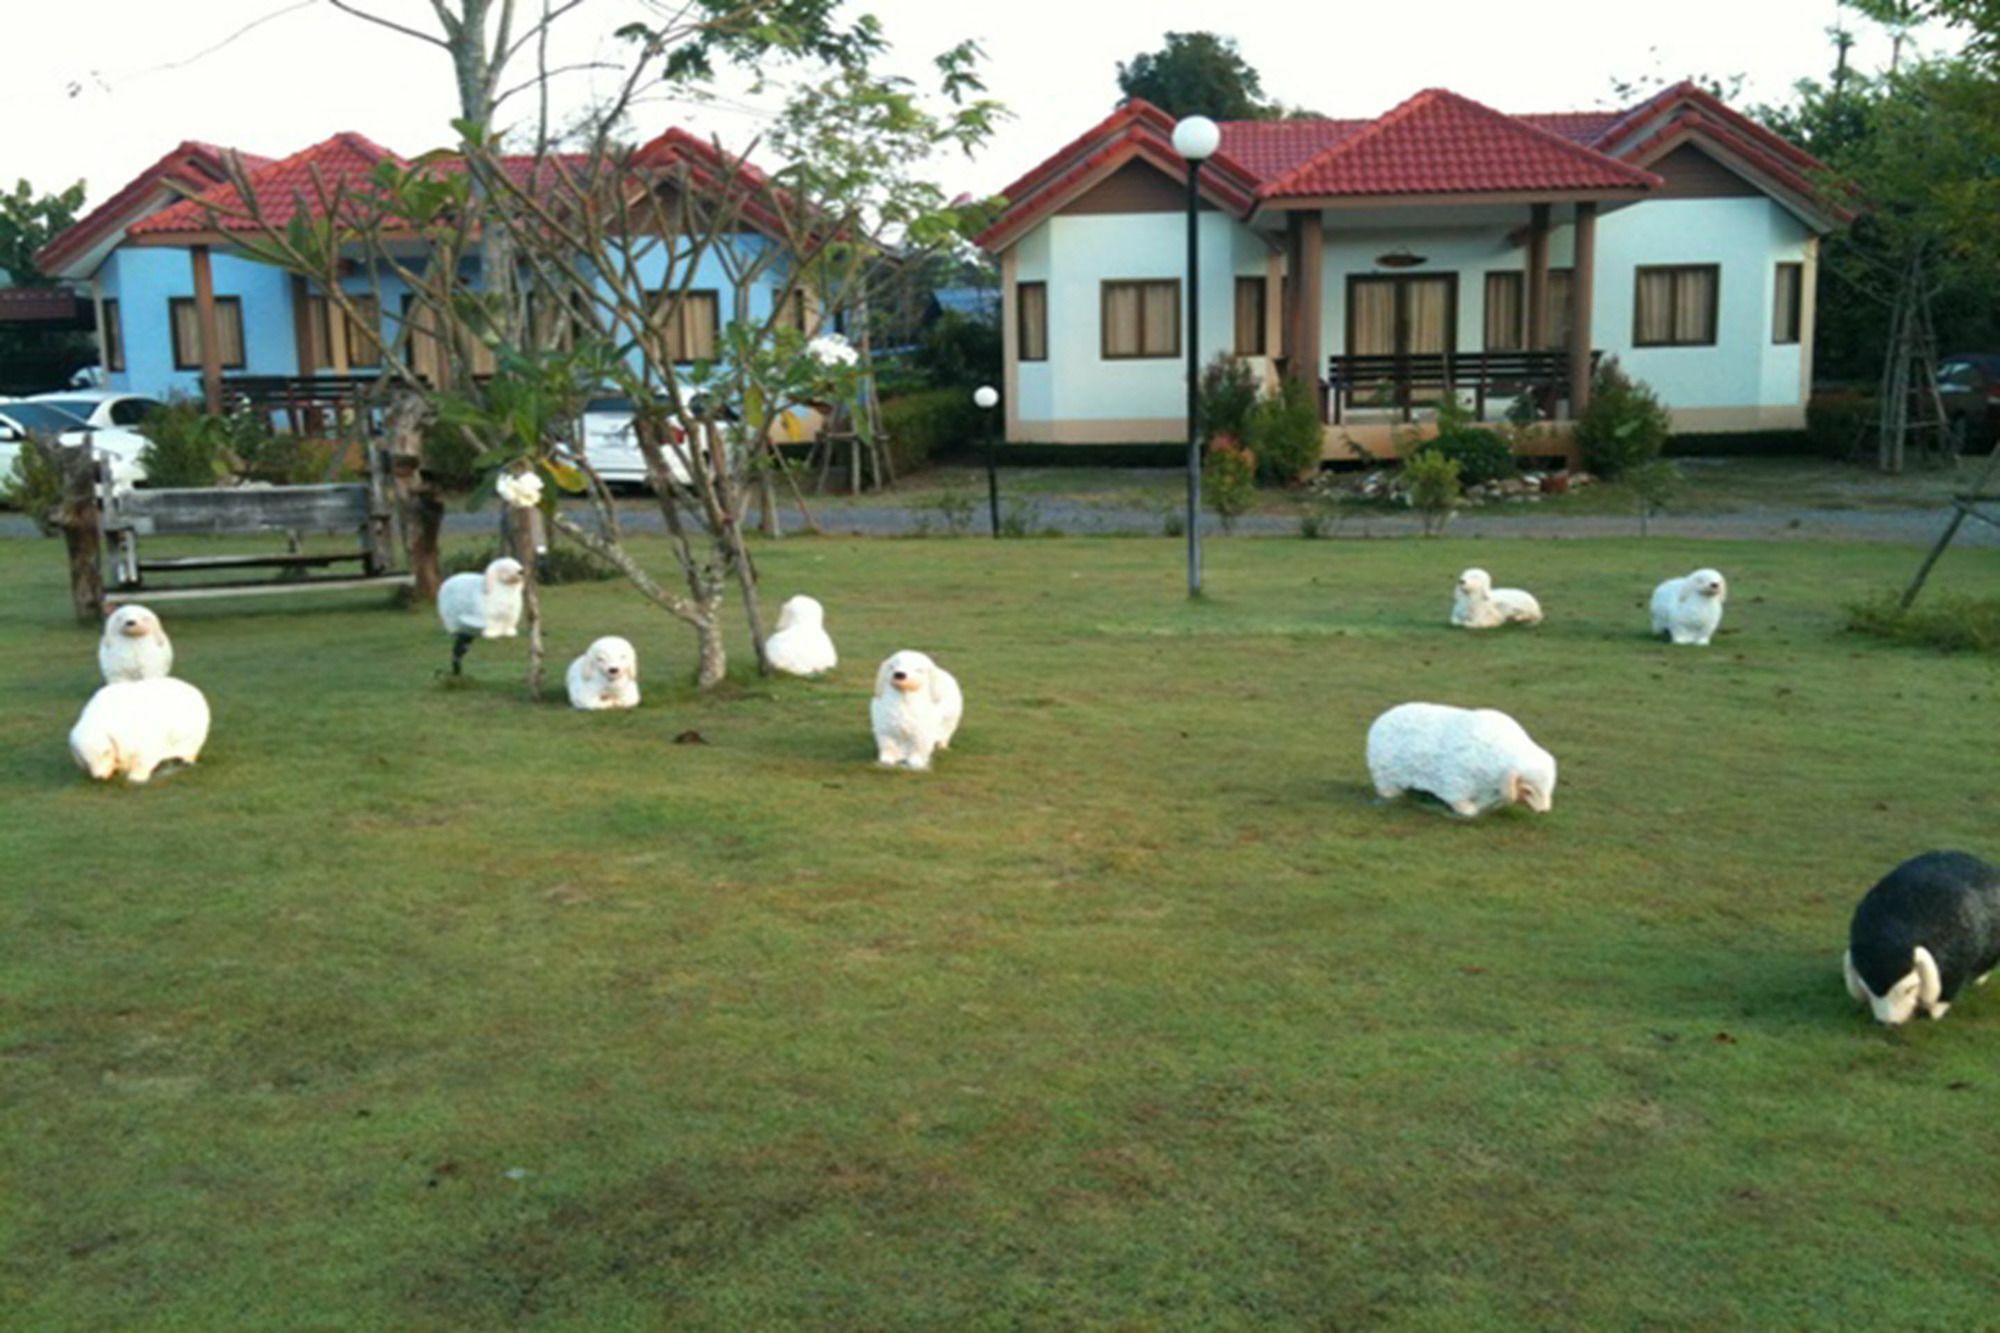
[(239, 510)]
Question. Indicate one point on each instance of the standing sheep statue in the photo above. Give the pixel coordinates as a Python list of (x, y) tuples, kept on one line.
[(135, 646), (1688, 610), (1472, 759), (481, 606), (1930, 926)]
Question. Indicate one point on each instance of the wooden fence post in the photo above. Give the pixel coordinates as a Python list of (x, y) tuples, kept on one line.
[(80, 517)]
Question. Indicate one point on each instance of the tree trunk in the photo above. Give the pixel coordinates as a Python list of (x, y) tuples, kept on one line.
[(82, 528), (419, 509), (767, 504), (712, 661), (524, 543), (730, 535)]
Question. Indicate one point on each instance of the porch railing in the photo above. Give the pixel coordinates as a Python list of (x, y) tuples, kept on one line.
[(1402, 384)]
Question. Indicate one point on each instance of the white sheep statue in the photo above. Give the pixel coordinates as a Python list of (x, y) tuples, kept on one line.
[(606, 675), (1477, 604), (131, 727), (916, 710), (481, 606), (1472, 759), (135, 646), (800, 646), (1688, 610)]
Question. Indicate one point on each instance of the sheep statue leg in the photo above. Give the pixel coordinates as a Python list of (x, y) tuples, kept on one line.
[(460, 643)]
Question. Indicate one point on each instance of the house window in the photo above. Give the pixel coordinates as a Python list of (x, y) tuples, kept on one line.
[(1507, 311), (113, 346), (694, 330), (323, 316), (1675, 306), (796, 315), (364, 351), (185, 322), (423, 347), (1141, 320), (1031, 310), (1785, 311), (1250, 317)]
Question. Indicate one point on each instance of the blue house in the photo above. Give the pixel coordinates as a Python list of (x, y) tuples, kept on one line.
[(180, 307)]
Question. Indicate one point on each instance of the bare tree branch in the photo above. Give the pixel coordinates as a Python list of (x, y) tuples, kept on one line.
[(346, 7)]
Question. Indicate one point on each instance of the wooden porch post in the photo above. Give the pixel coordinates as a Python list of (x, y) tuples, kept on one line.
[(1538, 278), (1582, 287), (211, 345), (1306, 242)]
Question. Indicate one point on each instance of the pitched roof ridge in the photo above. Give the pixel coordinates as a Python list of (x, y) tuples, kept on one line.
[(1374, 129), (1570, 146)]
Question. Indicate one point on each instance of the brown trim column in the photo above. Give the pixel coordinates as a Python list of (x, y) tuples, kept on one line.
[(1308, 245), (1537, 331), (302, 324), (1582, 289), (1808, 317), (211, 343), (1010, 344)]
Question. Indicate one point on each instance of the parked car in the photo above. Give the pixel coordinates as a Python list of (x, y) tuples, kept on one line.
[(612, 448), (101, 407), (119, 446), (1970, 386)]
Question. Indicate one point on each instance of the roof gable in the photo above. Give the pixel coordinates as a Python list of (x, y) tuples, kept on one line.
[(187, 167), (1440, 143), (302, 183)]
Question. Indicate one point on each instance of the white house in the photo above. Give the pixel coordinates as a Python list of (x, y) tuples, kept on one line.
[(1443, 246)]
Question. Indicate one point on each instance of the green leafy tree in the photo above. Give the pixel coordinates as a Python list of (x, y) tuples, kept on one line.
[(1196, 74), (28, 221)]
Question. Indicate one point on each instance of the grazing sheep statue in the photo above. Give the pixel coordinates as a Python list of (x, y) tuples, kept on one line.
[(1477, 604), (481, 606), (800, 645), (1689, 610), (131, 727), (606, 676), (134, 646), (916, 710), (1931, 925), (1473, 760)]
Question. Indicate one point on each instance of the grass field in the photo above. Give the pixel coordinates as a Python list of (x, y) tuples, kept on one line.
[(425, 1007)]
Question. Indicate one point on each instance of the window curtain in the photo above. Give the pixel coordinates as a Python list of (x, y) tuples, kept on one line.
[(1122, 306), (1373, 319), (1561, 317), (1249, 317), (1654, 322), (364, 352), (114, 337), (426, 353), (1429, 314), (1506, 312), (186, 318), (1162, 320), (1785, 320), (692, 335), (1694, 299), (1031, 306)]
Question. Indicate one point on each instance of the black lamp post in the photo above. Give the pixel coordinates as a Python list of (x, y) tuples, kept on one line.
[(986, 397), (1195, 139)]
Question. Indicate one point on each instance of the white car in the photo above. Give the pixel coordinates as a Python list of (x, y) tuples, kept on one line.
[(115, 444), (613, 450), (101, 407)]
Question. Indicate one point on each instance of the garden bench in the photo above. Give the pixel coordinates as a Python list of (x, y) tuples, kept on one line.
[(361, 508)]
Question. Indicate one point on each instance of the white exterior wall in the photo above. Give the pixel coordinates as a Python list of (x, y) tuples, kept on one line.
[(1132, 401)]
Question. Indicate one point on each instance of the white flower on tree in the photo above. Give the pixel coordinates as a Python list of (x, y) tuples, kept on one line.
[(523, 490), (830, 349)]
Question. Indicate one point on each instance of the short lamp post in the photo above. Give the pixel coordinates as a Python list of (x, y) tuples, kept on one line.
[(1195, 139), (986, 397)]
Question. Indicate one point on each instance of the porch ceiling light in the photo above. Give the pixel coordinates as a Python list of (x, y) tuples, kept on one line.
[(1197, 138)]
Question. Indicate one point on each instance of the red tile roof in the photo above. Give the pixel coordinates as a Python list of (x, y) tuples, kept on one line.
[(1584, 127), (306, 181), (190, 165), (1440, 143), (1268, 148)]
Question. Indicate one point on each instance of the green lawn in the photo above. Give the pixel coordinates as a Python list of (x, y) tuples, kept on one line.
[(419, 1007)]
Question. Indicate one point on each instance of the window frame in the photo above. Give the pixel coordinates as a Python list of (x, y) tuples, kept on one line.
[(1021, 352), (1639, 274), (1104, 290), (682, 303), (1794, 271), (1518, 279), (223, 305)]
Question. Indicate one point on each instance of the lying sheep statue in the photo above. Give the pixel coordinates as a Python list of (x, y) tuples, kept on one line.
[(131, 727), (1930, 926), (1472, 759), (481, 606), (1477, 604)]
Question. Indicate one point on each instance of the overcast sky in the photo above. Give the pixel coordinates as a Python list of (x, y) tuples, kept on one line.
[(99, 88)]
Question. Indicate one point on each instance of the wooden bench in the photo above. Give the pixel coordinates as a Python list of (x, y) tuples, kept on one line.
[(1404, 383), (361, 508)]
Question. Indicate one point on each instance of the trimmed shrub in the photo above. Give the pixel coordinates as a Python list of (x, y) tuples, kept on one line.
[(1624, 426), (935, 421), (34, 487), (958, 351), (1946, 622), (1433, 485), (558, 564), (185, 446), (1227, 399), (1842, 427), (1482, 455), (1229, 480), (1284, 433)]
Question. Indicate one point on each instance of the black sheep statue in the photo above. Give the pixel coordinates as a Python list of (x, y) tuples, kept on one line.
[(1930, 926)]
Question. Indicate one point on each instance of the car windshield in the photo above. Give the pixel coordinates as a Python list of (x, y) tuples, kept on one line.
[(608, 405), (40, 417), (76, 407)]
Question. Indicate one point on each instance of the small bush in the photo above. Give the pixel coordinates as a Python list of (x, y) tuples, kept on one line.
[(185, 445), (1433, 485), (1020, 517), (1624, 426), (935, 421), (1483, 455), (287, 460), (956, 507), (958, 351), (1653, 484), (1229, 480), (1951, 624), (1228, 398), (1284, 433), (34, 487), (451, 459), (1842, 427), (557, 565)]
